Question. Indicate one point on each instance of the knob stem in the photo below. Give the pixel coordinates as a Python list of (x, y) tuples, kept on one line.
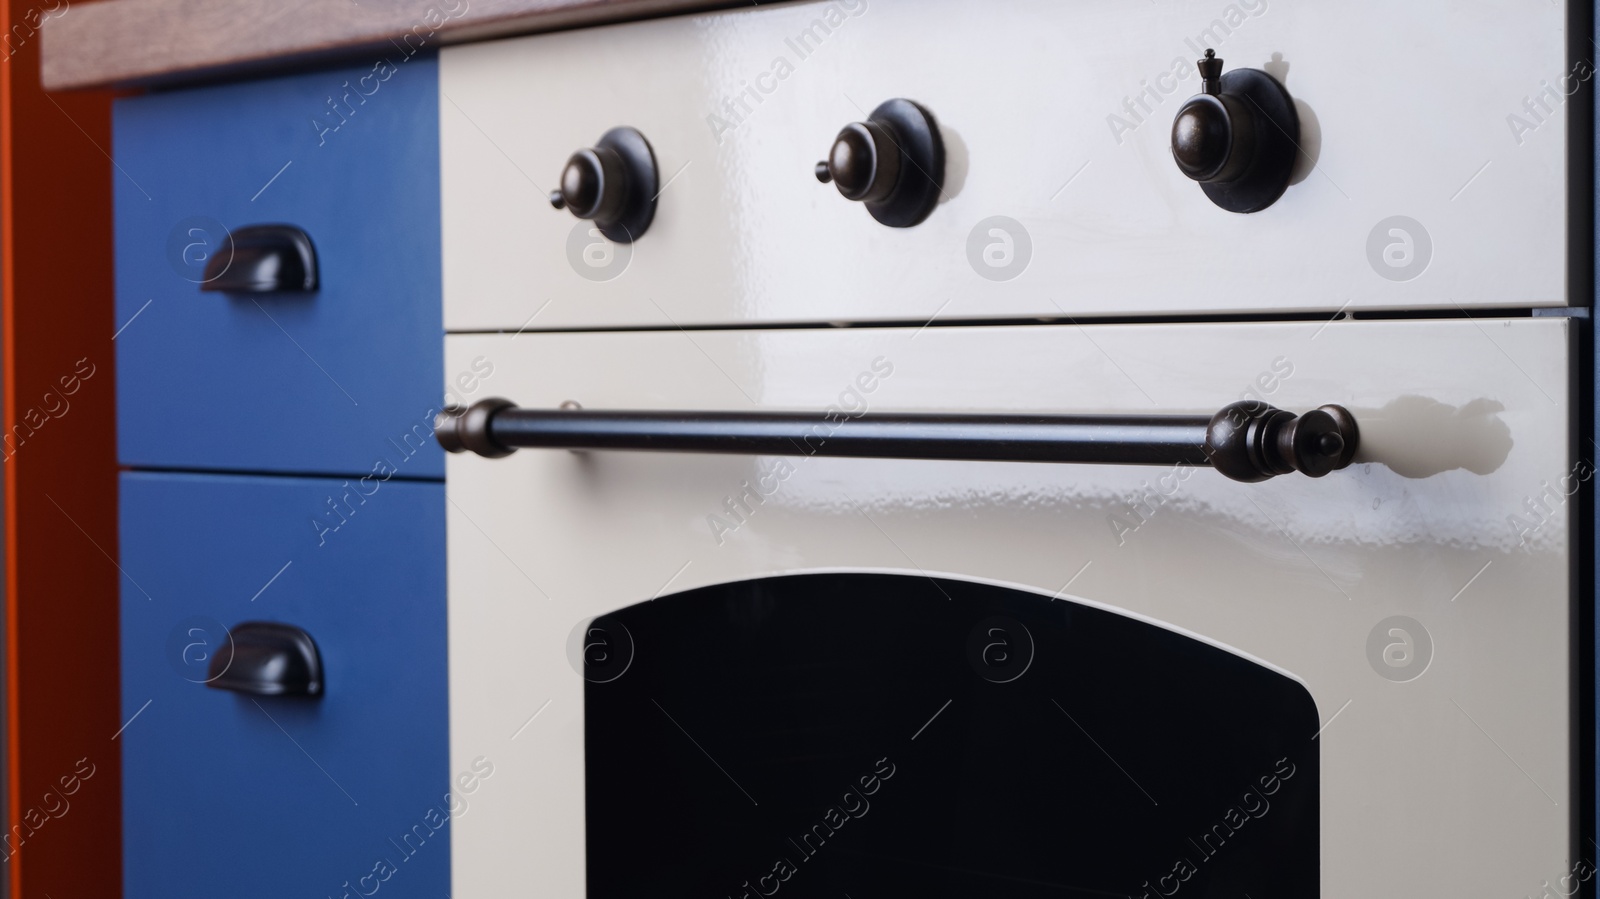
[(1210, 74)]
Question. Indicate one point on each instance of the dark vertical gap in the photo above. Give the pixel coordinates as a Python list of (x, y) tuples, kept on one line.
[(1584, 547), (1581, 178)]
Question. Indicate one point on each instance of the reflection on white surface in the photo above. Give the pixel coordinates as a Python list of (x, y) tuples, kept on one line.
[(1418, 437)]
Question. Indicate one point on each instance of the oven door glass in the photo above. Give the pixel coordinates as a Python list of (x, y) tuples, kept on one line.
[(890, 735)]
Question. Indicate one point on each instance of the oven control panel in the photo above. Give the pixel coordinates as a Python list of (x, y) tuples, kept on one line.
[(1016, 160)]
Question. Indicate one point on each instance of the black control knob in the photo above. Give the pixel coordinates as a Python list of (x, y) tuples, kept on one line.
[(864, 163), (594, 185), (1214, 135), (613, 183), (1238, 137), (893, 162)]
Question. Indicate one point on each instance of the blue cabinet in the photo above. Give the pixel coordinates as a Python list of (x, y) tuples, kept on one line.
[(271, 796), (340, 379), (253, 796)]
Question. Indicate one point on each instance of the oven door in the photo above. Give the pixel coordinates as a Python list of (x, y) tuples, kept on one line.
[(730, 675)]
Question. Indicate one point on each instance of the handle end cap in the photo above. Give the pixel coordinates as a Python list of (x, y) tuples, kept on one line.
[(461, 430)]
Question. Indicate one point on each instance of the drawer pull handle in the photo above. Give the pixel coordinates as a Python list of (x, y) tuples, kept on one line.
[(1245, 441), (268, 659), (263, 259)]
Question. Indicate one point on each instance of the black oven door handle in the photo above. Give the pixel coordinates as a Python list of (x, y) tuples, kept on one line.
[(1246, 441)]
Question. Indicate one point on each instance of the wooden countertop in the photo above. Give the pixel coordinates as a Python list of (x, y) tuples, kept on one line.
[(156, 42)]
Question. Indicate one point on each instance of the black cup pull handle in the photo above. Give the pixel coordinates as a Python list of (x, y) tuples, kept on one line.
[(262, 259), (267, 658), (1245, 441)]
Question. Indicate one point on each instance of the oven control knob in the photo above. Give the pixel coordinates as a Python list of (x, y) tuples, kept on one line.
[(613, 183), (864, 163), (893, 162), (592, 185), (1238, 137)]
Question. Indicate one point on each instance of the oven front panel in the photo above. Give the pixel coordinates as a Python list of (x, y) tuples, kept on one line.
[(1421, 598), (1432, 170)]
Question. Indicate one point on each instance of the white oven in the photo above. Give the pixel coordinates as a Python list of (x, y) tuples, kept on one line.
[(1021, 584)]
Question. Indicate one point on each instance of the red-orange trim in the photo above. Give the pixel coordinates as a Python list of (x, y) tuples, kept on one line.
[(61, 585)]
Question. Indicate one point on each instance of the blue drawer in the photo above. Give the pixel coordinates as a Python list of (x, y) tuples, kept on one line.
[(255, 797), (330, 381)]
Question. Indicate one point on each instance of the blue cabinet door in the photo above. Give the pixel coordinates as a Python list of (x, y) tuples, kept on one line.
[(329, 381), (259, 797)]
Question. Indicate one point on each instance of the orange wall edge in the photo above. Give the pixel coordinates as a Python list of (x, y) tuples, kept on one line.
[(63, 836)]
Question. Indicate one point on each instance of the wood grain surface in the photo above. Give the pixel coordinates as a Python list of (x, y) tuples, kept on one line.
[(148, 42)]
